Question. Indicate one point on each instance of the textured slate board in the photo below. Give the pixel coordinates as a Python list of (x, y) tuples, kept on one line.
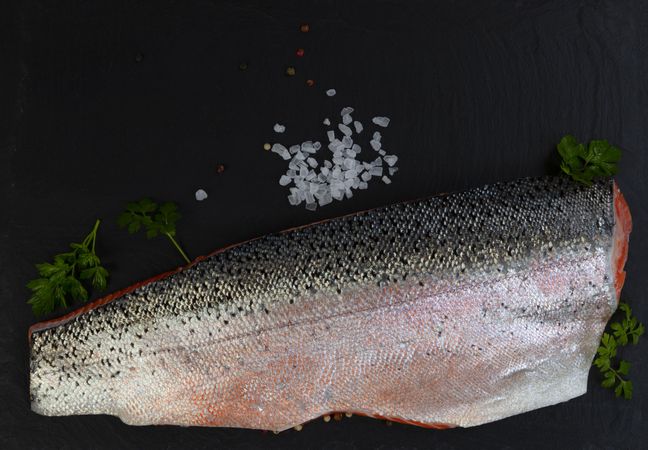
[(119, 99)]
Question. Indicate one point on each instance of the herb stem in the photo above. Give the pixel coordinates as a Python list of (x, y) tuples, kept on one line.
[(173, 241)]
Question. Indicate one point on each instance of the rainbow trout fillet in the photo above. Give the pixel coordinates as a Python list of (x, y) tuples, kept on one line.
[(456, 310)]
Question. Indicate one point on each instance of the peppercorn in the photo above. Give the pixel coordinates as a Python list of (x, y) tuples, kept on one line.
[(300, 52), (304, 28), (310, 83), (290, 71)]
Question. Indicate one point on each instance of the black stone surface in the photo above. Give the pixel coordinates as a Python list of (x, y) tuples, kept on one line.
[(108, 101)]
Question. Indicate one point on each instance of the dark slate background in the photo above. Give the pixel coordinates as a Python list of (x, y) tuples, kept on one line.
[(109, 101)]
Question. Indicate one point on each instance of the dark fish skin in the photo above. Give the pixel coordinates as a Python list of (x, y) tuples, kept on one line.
[(224, 323)]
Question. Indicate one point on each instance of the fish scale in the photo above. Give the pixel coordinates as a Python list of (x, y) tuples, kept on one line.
[(455, 310)]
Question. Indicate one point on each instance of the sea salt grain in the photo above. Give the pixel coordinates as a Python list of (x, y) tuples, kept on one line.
[(327, 122), (331, 92), (377, 136), (386, 180), (312, 162), (201, 195), (393, 170), (375, 144), (346, 111), (346, 119), (279, 128), (358, 126), (281, 151), (391, 160), (331, 135), (381, 121), (344, 129), (285, 180)]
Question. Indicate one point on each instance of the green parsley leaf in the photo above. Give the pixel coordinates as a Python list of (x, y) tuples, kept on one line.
[(584, 164), (155, 220), (629, 326), (60, 280)]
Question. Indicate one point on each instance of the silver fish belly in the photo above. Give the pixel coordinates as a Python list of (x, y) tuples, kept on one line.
[(455, 310)]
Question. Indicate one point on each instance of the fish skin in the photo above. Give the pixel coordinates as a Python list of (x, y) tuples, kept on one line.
[(455, 310)]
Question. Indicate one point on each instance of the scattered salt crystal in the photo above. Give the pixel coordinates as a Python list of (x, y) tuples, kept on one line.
[(291, 173), (358, 126), (393, 170), (350, 153), (325, 171), (303, 172), (348, 192), (331, 135), (309, 197), (366, 176), (285, 180), (346, 111), (390, 160), (375, 144), (201, 195), (326, 199), (386, 180), (347, 141), (314, 187), (346, 119), (308, 147), (293, 200), (317, 145), (367, 165), (356, 183), (382, 152), (279, 128), (311, 206), (331, 92), (381, 121), (299, 156), (349, 163), (376, 171), (377, 162), (336, 171), (294, 149), (311, 175), (281, 151), (377, 136), (328, 164), (326, 122), (312, 162), (356, 148), (363, 185), (344, 129)]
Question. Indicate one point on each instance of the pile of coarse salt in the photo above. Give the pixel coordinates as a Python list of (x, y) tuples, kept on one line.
[(342, 172)]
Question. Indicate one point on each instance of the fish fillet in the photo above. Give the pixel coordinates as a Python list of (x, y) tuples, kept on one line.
[(456, 310)]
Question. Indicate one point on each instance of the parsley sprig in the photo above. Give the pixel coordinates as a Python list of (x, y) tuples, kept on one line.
[(584, 164), (629, 329), (61, 280), (156, 220)]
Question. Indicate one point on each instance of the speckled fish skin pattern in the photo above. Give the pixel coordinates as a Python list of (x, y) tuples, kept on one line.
[(459, 309)]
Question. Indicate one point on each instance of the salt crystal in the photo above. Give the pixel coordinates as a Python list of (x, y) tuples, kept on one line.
[(299, 156), (393, 170), (363, 185), (201, 195), (377, 136), (382, 152), (308, 147), (348, 193), (327, 122), (303, 172), (391, 160), (376, 171), (367, 165), (325, 171), (311, 206), (317, 145), (356, 148), (285, 180), (331, 92), (350, 174), (377, 162), (337, 194), (294, 149), (314, 187), (336, 171), (346, 110), (346, 119), (293, 200), (356, 183), (375, 144), (291, 173), (311, 175), (338, 160), (381, 121), (350, 153), (344, 129), (326, 199), (331, 135), (386, 180), (328, 164), (312, 162), (366, 176), (349, 163), (358, 126), (279, 128), (309, 197), (347, 141), (281, 151)]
